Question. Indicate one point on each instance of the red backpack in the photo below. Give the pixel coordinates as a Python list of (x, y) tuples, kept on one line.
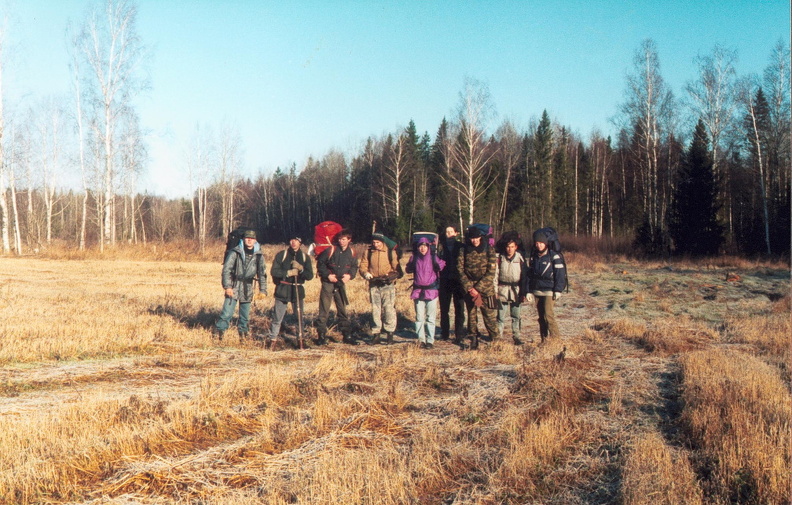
[(324, 234)]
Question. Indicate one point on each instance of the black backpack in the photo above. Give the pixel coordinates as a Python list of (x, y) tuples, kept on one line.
[(233, 239)]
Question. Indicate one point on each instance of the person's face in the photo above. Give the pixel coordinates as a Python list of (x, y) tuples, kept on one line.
[(450, 232), (540, 246), (475, 241), (344, 242), (423, 249), (511, 248), (294, 244), (249, 242), (378, 245)]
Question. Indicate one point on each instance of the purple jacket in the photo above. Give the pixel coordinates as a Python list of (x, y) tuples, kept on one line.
[(426, 270)]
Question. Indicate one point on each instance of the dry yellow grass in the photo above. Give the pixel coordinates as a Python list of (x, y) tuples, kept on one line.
[(738, 410), (656, 474), (112, 391)]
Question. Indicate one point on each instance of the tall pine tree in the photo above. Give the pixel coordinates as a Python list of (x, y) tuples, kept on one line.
[(694, 225)]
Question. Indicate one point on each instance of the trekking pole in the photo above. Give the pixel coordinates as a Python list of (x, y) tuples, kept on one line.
[(299, 313)]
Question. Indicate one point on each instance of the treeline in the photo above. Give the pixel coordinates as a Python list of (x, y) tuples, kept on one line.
[(702, 174)]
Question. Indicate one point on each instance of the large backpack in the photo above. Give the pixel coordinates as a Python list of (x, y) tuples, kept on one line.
[(433, 241), (554, 244), (509, 236), (486, 231), (393, 248), (324, 234), (233, 239), (430, 236)]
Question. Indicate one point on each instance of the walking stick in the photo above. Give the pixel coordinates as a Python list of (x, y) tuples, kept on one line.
[(299, 313)]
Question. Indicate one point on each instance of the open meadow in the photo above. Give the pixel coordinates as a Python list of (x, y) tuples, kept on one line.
[(671, 385)]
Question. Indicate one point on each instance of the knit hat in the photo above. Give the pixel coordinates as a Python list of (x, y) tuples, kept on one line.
[(295, 237), (540, 236), (249, 234), (378, 236), (423, 240)]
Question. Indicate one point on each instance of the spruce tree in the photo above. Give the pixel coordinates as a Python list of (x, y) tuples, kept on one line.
[(694, 225)]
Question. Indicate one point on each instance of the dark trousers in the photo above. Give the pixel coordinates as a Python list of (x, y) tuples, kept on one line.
[(327, 296), (452, 291), (547, 321)]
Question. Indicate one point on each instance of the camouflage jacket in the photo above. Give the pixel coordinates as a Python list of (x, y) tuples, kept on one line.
[(477, 266)]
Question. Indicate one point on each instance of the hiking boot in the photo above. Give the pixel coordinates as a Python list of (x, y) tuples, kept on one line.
[(485, 338), (389, 339), (350, 340), (429, 346), (243, 336), (517, 341), (376, 339), (331, 339), (458, 341), (218, 334), (321, 340), (443, 337), (424, 345), (276, 344)]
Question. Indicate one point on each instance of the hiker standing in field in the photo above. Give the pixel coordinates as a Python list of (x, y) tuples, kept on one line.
[(476, 264), (546, 280), (511, 283), (426, 267), (336, 266), (380, 267), (451, 289), (242, 265), (290, 269)]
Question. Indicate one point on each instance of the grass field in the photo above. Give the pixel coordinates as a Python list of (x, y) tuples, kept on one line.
[(671, 385)]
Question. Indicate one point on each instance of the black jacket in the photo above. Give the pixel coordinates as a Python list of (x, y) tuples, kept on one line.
[(284, 285)]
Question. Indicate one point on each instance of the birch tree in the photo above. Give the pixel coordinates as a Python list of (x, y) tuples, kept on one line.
[(510, 152), (647, 112), (200, 159), (230, 159), (4, 224), (113, 54), (469, 154)]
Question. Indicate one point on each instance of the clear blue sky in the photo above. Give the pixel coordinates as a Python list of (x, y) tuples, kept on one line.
[(301, 77)]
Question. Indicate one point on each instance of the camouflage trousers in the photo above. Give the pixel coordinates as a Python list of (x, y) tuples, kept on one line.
[(490, 317)]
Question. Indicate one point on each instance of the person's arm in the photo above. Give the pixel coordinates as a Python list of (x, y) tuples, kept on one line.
[(559, 274), (227, 274), (307, 274), (262, 274)]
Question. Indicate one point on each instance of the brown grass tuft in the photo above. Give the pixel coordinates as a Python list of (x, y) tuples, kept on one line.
[(737, 410), (656, 474)]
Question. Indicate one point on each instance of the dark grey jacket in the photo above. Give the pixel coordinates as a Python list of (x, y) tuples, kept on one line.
[(240, 270)]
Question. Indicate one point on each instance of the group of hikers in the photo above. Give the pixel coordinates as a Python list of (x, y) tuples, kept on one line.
[(477, 275)]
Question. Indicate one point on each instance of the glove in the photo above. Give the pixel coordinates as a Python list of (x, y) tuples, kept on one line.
[(292, 273), (392, 275), (529, 298), (297, 266), (368, 276), (556, 295)]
